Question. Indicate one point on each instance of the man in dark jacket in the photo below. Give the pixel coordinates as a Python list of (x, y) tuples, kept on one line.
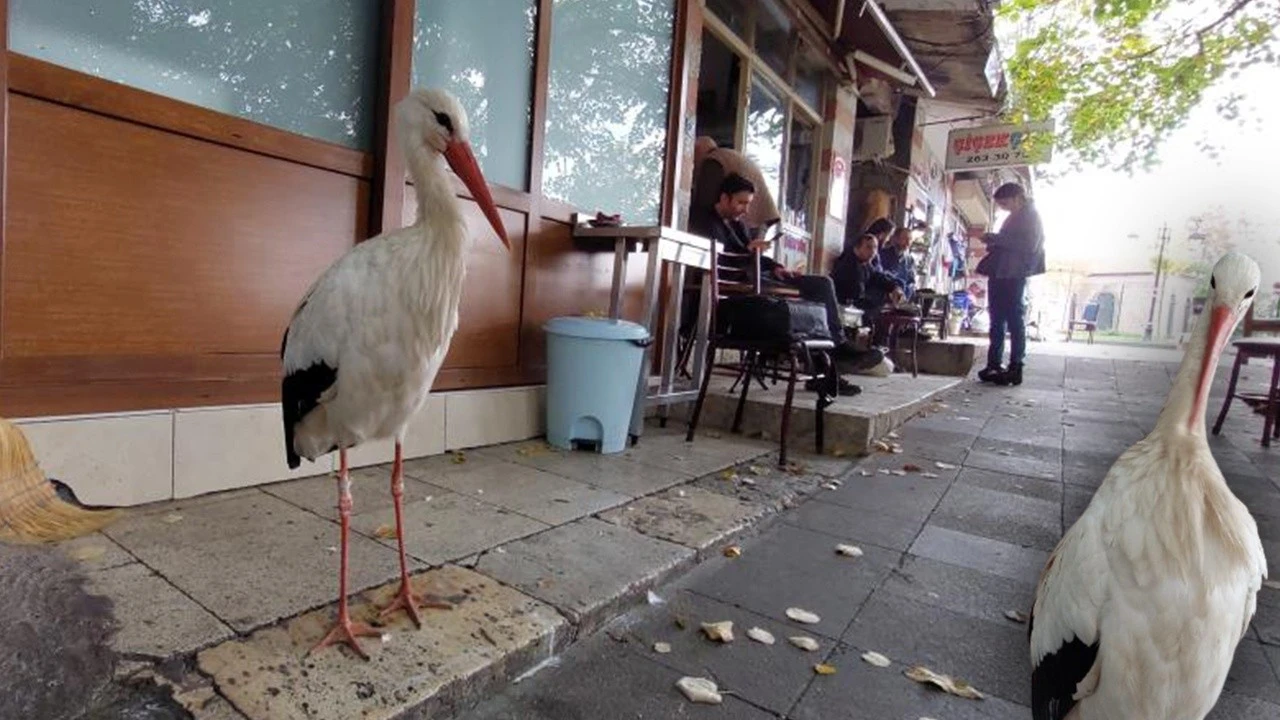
[(861, 283), (1013, 255)]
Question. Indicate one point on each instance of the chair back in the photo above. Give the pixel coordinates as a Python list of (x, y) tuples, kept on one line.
[(1090, 313)]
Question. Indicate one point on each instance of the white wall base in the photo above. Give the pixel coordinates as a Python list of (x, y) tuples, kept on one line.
[(140, 457)]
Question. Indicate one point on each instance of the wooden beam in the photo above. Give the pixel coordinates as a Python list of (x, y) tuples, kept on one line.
[(686, 47), (395, 72), (541, 89)]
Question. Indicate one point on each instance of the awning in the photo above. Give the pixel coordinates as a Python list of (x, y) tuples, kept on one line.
[(866, 36), (877, 61)]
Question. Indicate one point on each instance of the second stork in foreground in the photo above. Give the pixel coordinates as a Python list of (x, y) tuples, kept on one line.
[(368, 338), (1142, 604)]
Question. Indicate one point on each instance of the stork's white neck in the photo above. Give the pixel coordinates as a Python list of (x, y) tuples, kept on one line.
[(1184, 410), (436, 199)]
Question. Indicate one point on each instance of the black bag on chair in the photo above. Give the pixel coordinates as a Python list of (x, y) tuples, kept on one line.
[(770, 319)]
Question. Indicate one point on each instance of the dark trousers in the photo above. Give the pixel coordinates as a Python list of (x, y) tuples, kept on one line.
[(819, 289), (1007, 310)]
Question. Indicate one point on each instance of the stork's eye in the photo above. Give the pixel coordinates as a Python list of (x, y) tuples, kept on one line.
[(445, 121), (1213, 283), (1249, 294)]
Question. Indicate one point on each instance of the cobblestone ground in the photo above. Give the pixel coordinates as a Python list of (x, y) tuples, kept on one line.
[(945, 559)]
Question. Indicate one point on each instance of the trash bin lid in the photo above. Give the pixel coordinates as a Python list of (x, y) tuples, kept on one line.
[(596, 328)]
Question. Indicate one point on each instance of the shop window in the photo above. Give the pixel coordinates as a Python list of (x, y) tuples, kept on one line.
[(811, 74), (733, 13), (606, 126), (801, 155), (482, 51), (719, 77), (306, 66), (766, 128), (773, 36)]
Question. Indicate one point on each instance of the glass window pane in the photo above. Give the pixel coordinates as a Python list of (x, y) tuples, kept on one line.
[(773, 36), (798, 206), (307, 66), (482, 51), (607, 105), (719, 76), (732, 13), (811, 74), (766, 125)]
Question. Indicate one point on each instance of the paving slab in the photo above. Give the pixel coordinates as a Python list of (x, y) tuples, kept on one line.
[(1241, 707), (911, 497), (447, 527), (992, 656), (587, 569), (493, 633), (1252, 673), (96, 551), (1027, 487), (693, 517), (958, 589), (154, 618), (859, 691), (620, 472), (251, 559), (762, 482), (1016, 519), (552, 499), (608, 682), (854, 525), (769, 676), (370, 491), (979, 553), (803, 571)]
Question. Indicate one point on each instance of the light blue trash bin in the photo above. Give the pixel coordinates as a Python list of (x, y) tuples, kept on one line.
[(593, 368)]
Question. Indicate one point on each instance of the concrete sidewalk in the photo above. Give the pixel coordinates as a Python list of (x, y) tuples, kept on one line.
[(946, 560)]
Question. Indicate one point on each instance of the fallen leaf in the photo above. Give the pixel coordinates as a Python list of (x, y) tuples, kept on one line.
[(886, 471), (653, 598), (893, 435), (931, 476), (747, 481), (700, 690), (824, 669), (946, 683), (830, 486), (803, 616), (172, 518), (1006, 453), (882, 446), (719, 631), (899, 473), (733, 551), (944, 466), (662, 648), (803, 642), (1273, 584), (1016, 616), (962, 418), (459, 457), (864, 473), (897, 450), (88, 552), (875, 658), (761, 635), (912, 467), (849, 550), (386, 532), (755, 470), (728, 475)]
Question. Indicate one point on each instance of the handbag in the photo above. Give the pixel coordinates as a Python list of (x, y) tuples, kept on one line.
[(770, 319)]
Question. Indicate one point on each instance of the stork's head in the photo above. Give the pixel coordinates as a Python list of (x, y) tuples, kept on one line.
[(1232, 286), (434, 119)]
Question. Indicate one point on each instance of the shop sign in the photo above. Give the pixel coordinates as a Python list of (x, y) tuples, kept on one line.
[(838, 197), (995, 146)]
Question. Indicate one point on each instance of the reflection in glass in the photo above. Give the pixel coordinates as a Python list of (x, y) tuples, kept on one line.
[(719, 76), (810, 76), (482, 51), (607, 105), (307, 66), (800, 160), (766, 125), (773, 36), (732, 13)]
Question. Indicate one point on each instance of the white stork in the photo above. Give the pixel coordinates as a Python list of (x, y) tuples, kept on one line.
[(1141, 605), (367, 339)]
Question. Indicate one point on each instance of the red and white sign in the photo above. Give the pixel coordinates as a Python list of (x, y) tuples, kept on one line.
[(838, 197)]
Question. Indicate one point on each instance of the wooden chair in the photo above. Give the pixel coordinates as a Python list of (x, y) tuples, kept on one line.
[(935, 308), (729, 277), (1088, 322), (893, 324), (1253, 345)]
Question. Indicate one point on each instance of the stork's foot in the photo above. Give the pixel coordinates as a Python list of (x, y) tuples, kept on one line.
[(345, 632), (409, 601)]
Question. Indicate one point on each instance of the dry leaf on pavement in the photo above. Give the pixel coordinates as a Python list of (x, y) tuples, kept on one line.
[(761, 635), (662, 648), (1016, 616), (700, 690), (803, 616), (824, 669), (875, 658), (733, 551), (88, 552), (849, 550), (946, 683), (719, 631), (386, 532), (803, 642), (944, 466)]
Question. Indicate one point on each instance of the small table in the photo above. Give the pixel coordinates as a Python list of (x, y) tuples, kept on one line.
[(1256, 347), (682, 250)]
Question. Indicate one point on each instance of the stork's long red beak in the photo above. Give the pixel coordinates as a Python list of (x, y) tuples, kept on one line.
[(459, 156), (1220, 325)]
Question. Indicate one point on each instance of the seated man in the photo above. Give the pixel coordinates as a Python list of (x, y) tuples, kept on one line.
[(723, 223), (898, 262), (860, 283)]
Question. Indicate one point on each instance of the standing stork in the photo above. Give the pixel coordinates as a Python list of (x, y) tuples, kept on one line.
[(367, 339), (1140, 607)]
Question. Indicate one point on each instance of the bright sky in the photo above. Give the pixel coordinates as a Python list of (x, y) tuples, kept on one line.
[(1088, 216)]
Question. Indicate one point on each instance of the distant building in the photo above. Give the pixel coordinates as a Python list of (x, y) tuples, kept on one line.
[(1124, 303)]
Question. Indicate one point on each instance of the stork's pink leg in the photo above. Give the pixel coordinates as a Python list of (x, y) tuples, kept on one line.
[(345, 631), (406, 599)]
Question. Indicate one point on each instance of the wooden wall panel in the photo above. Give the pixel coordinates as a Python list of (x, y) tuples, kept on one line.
[(126, 240), (488, 333)]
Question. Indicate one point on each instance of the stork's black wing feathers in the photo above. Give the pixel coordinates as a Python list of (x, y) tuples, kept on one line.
[(300, 393), (1054, 680)]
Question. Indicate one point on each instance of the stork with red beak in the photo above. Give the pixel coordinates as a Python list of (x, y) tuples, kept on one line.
[(1141, 606), (368, 338)]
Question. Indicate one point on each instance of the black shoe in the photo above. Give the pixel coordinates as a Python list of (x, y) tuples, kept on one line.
[(1012, 376), (990, 373), (843, 388)]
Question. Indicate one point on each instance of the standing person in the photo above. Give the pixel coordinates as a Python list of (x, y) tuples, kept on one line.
[(1013, 255)]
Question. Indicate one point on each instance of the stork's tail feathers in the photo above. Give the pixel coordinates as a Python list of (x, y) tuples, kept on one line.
[(30, 509)]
